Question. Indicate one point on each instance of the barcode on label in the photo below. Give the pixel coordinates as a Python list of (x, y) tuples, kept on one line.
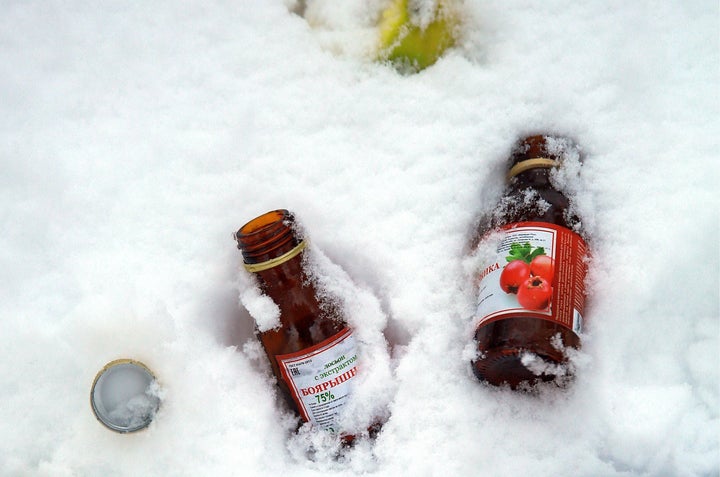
[(577, 322)]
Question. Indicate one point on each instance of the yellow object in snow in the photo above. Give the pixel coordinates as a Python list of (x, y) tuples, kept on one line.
[(411, 46)]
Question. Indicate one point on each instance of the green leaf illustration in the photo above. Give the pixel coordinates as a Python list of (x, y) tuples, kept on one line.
[(524, 252)]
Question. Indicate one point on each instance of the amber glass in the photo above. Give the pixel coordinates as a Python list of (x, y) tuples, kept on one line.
[(501, 343), (305, 321)]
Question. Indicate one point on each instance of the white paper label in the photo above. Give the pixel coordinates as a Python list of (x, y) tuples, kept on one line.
[(539, 271), (320, 378)]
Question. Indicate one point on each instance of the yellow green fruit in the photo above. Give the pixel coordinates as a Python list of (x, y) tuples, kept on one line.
[(409, 46)]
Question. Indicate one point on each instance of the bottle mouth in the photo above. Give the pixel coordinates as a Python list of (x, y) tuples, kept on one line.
[(538, 152), (551, 146), (264, 223), (530, 148), (266, 233)]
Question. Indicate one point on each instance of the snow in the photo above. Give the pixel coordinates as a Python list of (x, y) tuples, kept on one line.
[(263, 310), (135, 138)]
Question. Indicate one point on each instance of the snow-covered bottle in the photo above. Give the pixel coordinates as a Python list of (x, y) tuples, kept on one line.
[(313, 352), (531, 286)]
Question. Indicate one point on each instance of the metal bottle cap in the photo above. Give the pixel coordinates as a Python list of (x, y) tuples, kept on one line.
[(124, 396)]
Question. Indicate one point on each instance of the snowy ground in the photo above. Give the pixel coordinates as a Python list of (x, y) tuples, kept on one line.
[(135, 137)]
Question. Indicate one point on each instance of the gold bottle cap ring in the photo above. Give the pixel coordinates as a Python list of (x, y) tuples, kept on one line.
[(274, 262), (124, 397), (533, 163)]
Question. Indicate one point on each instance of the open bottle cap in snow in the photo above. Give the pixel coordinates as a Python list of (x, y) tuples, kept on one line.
[(124, 396)]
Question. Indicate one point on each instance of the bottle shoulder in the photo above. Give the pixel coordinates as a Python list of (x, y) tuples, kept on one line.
[(299, 331), (528, 204)]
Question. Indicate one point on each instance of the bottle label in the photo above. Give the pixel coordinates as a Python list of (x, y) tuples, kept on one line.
[(320, 378), (539, 271)]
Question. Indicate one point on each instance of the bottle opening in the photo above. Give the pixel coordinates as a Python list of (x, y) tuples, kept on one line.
[(267, 236), (263, 223), (547, 146)]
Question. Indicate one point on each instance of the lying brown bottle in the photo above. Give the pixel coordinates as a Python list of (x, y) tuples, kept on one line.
[(312, 353), (532, 294)]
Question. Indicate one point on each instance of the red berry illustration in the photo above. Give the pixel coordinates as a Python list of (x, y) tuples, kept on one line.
[(534, 293), (513, 275), (543, 266)]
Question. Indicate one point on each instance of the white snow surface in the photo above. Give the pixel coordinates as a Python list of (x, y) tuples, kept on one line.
[(136, 137)]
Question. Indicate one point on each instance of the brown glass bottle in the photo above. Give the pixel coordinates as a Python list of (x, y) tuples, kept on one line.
[(536, 313), (312, 352)]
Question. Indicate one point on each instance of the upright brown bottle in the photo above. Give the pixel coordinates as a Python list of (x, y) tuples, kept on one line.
[(532, 293), (312, 353)]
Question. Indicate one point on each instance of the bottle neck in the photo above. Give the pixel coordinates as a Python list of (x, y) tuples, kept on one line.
[(530, 163), (536, 177), (272, 247)]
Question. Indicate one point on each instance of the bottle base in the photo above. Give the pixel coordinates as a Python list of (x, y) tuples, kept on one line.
[(518, 369), (523, 351)]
